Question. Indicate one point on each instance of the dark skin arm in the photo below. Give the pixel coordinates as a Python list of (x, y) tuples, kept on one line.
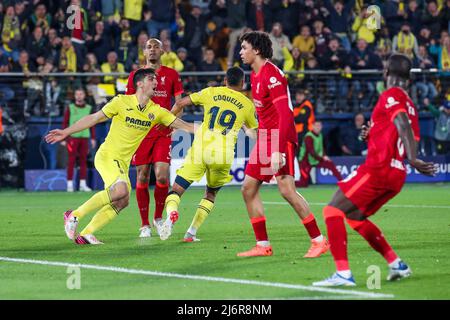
[(405, 132)]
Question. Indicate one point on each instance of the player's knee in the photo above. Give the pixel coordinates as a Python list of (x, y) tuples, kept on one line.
[(246, 190), (162, 180), (286, 192), (143, 175), (119, 191)]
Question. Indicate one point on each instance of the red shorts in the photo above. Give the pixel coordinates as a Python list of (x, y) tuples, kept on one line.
[(369, 189), (258, 165), (153, 150)]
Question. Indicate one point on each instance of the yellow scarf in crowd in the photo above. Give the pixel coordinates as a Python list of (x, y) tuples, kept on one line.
[(68, 60), (445, 58), (405, 43)]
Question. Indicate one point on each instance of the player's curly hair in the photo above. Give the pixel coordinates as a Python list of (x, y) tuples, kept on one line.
[(260, 41), (399, 66)]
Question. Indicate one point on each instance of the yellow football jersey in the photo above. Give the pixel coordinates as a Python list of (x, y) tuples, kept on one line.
[(225, 111), (130, 124)]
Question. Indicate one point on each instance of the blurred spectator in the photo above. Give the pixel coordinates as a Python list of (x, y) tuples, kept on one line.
[(40, 18), (310, 11), (123, 41), (67, 58), (303, 115), (384, 44), (312, 154), (350, 143), (210, 64), (51, 89), (54, 44), (92, 66), (6, 93), (442, 127), (321, 37), (195, 35), (413, 16), (423, 87), (111, 65), (433, 18), (190, 83), (294, 61), (361, 28), (337, 88), (236, 21), (339, 18), (37, 47), (259, 16), (394, 13), (424, 36), (362, 58), (111, 9), (287, 12), (279, 40), (405, 42), (305, 42), (136, 57), (78, 143), (22, 93), (163, 14), (100, 43), (442, 51), (11, 35), (132, 10), (170, 58)]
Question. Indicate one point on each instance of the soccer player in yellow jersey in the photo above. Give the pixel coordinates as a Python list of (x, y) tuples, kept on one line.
[(132, 118), (226, 111)]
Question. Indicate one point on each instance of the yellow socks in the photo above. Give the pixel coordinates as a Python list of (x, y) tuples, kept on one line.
[(172, 203), (97, 201), (203, 210), (101, 218)]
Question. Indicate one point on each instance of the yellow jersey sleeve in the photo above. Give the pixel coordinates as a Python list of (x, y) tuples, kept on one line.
[(165, 117), (111, 109), (250, 115)]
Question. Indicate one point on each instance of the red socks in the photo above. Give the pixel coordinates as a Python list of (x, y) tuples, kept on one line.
[(337, 236), (311, 226), (374, 237), (143, 200), (259, 227), (161, 191)]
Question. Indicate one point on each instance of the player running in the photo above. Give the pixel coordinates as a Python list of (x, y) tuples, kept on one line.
[(212, 152), (132, 117), (393, 135), (156, 146), (274, 153)]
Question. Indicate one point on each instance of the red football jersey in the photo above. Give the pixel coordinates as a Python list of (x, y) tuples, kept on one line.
[(169, 85), (385, 148), (273, 104)]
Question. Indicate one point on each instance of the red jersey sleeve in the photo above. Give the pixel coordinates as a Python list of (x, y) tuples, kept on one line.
[(276, 83), (130, 85)]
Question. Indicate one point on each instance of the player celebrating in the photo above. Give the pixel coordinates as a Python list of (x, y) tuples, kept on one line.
[(155, 148), (393, 136), (275, 147), (132, 117), (212, 152)]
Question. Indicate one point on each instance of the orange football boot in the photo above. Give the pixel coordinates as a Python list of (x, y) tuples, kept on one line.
[(317, 248), (257, 251)]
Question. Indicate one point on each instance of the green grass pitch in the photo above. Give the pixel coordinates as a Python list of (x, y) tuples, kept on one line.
[(416, 223)]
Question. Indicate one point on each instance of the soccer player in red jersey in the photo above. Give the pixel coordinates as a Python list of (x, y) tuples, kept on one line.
[(155, 148), (273, 154), (392, 137)]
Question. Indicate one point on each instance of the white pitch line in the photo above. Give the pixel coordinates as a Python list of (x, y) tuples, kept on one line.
[(360, 294), (387, 205)]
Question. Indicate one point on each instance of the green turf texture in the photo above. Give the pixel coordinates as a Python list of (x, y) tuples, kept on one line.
[(31, 227)]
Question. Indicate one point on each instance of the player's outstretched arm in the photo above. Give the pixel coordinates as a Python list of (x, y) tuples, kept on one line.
[(183, 125), (86, 122), (180, 104), (405, 132)]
